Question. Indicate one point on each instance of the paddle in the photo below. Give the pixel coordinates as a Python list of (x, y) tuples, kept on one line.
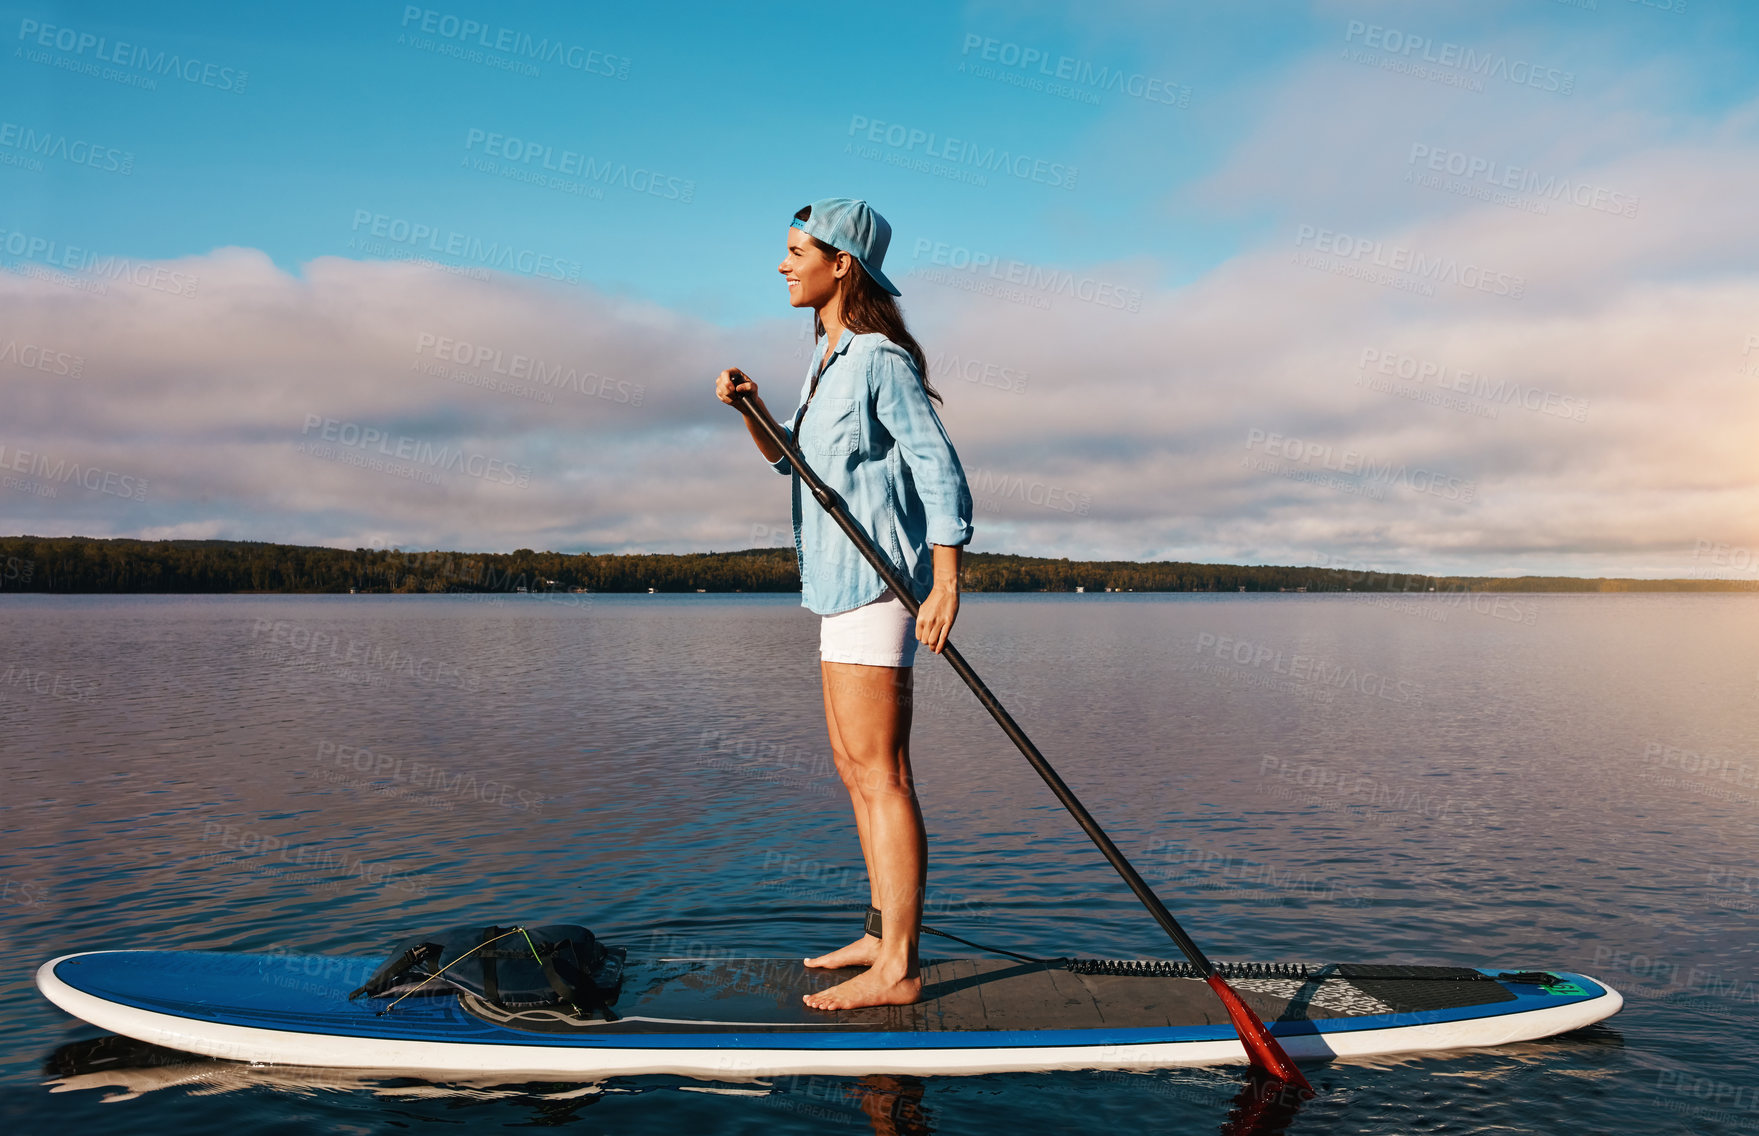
[(1262, 1049)]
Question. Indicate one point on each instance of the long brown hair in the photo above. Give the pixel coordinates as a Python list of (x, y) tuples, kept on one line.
[(868, 307)]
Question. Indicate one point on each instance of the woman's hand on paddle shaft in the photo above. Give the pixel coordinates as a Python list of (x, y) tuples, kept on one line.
[(733, 379), (934, 619)]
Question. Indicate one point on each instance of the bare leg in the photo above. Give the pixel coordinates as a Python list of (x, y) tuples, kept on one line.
[(868, 713), (864, 950)]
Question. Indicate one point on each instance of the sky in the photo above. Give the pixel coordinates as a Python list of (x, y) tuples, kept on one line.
[(1458, 287)]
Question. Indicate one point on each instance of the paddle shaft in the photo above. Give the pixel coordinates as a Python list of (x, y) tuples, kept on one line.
[(1262, 1050), (901, 588)]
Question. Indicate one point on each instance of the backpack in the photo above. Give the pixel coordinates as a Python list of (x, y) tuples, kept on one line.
[(514, 967)]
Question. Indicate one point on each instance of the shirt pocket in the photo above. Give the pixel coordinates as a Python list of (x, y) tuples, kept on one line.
[(834, 428)]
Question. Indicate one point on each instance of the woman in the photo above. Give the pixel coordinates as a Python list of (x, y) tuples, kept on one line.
[(866, 425)]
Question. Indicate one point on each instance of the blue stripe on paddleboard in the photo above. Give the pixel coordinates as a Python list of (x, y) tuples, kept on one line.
[(301, 994)]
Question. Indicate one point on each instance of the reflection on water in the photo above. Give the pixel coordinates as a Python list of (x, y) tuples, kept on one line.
[(122, 1069), (131, 1068), (1299, 777)]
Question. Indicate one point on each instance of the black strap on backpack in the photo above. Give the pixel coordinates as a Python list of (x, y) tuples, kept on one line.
[(490, 977), (515, 967), (387, 976)]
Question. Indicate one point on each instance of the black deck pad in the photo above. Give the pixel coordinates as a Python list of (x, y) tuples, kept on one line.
[(1406, 995), (738, 995)]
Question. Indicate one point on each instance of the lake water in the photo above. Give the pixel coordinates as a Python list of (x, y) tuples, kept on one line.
[(1523, 781)]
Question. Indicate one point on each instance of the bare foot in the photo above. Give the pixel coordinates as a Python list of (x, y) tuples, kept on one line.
[(869, 989), (862, 952)]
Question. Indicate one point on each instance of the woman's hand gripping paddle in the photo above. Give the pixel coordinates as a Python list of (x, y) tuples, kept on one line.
[(1262, 1050)]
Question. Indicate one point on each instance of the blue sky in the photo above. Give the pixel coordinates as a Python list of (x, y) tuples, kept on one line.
[(336, 115), (301, 137)]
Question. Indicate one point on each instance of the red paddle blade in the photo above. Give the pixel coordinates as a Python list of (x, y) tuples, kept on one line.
[(1264, 1106), (1262, 1049)]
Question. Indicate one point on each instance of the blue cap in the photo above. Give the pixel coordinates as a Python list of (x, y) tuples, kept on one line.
[(851, 226)]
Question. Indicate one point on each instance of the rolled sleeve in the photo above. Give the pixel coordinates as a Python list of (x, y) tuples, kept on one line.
[(782, 465), (904, 409)]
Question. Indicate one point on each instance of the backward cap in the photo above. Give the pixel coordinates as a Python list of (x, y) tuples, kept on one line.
[(851, 225)]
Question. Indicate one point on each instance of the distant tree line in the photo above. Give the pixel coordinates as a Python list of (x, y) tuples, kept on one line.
[(79, 564), (85, 564)]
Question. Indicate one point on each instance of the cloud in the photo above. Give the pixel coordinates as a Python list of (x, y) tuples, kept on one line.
[(1398, 373), (417, 405)]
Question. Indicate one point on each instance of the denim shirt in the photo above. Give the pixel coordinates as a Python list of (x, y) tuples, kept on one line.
[(871, 434)]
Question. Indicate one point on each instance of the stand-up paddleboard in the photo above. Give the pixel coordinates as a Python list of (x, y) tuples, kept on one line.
[(731, 1018)]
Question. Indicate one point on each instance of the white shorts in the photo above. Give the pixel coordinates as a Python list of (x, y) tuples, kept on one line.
[(880, 633)]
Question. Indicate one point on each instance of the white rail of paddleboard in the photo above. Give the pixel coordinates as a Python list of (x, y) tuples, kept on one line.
[(285, 1047)]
